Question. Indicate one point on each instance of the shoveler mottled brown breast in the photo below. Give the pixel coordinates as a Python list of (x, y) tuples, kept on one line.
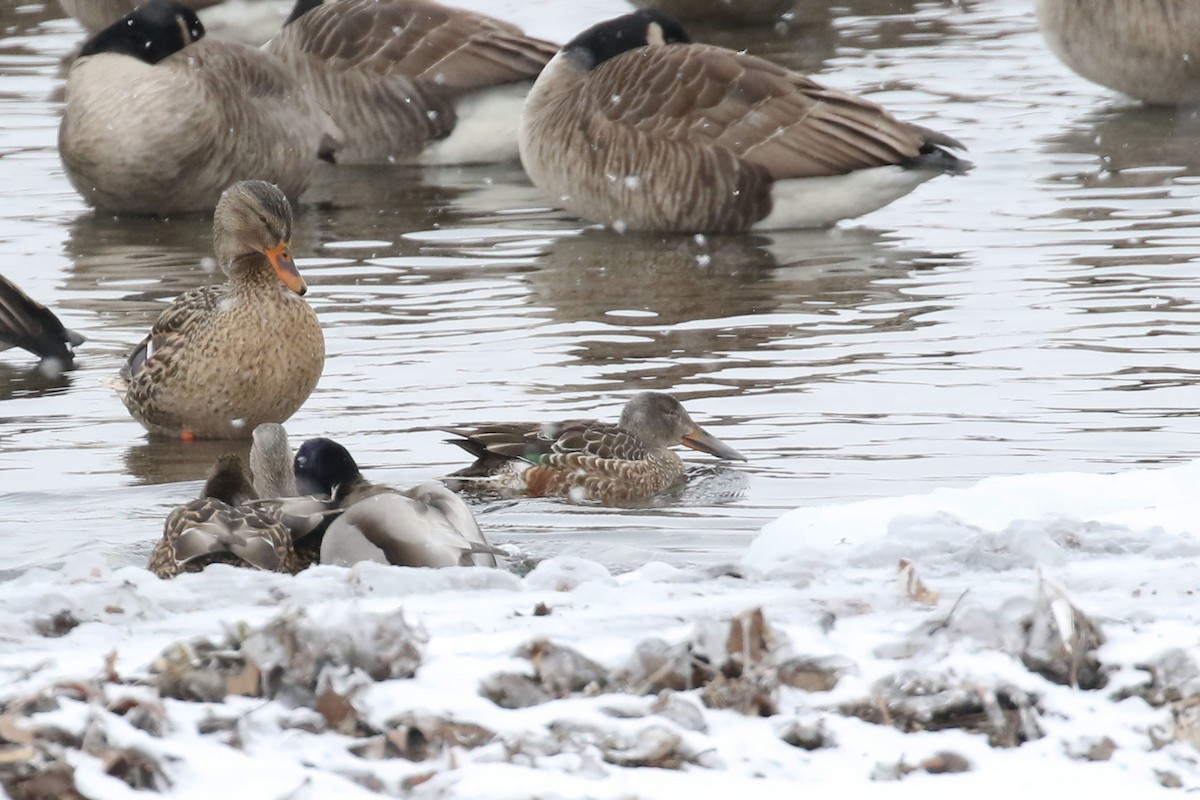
[(218, 528), (587, 460)]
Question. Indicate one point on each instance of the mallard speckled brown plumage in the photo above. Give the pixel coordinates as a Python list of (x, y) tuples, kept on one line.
[(587, 460), (633, 126), (425, 526), (160, 120), (412, 80), (223, 359), (218, 528)]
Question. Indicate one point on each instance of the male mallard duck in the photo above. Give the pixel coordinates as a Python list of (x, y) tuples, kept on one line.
[(586, 459), (218, 527), (1148, 49), (411, 80), (95, 15), (633, 126), (28, 324), (220, 360), (160, 120), (425, 526), (305, 516)]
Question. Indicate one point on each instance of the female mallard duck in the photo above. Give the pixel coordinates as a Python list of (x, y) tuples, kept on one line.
[(425, 526), (633, 126), (218, 528), (160, 120), (26, 323), (221, 360), (95, 15), (1148, 49), (411, 80), (586, 459)]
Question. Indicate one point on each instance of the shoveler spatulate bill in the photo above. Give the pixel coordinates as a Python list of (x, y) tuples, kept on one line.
[(586, 459)]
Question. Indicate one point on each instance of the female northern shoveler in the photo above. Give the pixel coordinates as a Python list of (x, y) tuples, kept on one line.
[(217, 528), (425, 526), (586, 459)]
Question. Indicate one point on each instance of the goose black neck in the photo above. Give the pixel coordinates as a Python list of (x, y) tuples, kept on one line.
[(613, 37), (301, 8), (149, 33)]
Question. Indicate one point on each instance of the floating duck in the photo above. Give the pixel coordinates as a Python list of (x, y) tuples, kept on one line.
[(223, 359), (586, 459)]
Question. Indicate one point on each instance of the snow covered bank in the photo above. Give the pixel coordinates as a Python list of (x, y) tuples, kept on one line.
[(1022, 634)]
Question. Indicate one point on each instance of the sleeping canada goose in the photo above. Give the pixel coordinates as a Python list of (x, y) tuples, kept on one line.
[(95, 15), (1147, 49), (633, 126), (218, 528), (425, 526), (28, 324), (160, 120), (587, 459), (411, 80), (220, 360)]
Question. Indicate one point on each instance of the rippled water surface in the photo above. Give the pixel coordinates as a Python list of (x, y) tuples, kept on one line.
[(1036, 315)]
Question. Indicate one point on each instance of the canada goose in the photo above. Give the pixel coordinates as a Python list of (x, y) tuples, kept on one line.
[(160, 120), (28, 324), (218, 528), (411, 80), (586, 459), (222, 359), (96, 15), (425, 526), (633, 126), (1147, 49)]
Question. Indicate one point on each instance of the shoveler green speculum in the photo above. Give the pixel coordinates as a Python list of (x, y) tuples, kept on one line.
[(587, 460)]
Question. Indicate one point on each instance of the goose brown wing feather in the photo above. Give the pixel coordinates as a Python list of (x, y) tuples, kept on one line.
[(784, 122), (454, 49)]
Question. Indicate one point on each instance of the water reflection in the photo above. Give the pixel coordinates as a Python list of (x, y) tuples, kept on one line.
[(171, 460)]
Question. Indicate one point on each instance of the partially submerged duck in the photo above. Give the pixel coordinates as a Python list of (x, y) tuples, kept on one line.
[(587, 459), (223, 359), (219, 528), (412, 80), (160, 120), (29, 325), (633, 126), (425, 526), (1147, 49)]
